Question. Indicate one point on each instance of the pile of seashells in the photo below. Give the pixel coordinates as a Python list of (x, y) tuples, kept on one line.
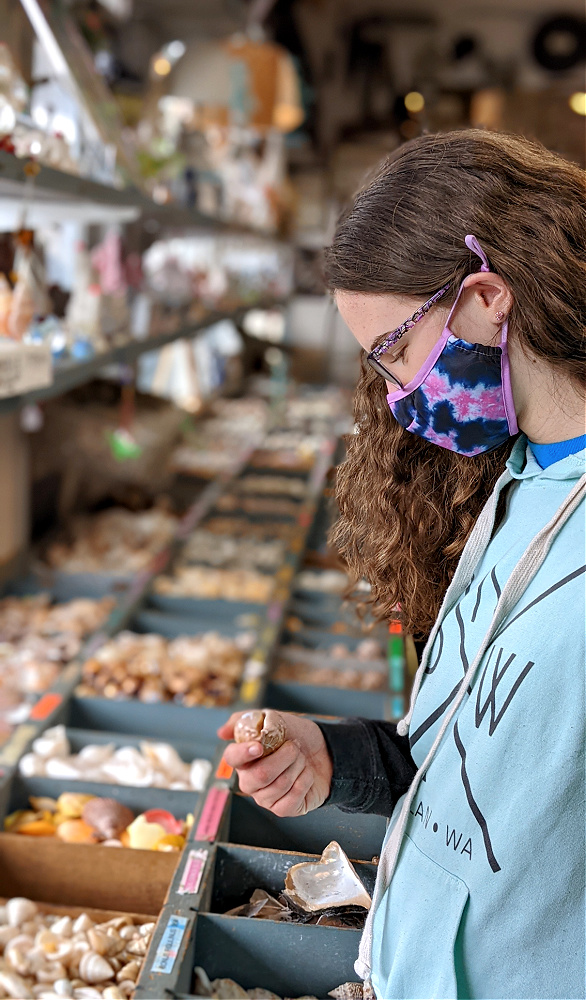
[(217, 584), (156, 765), (76, 818), (114, 541), (228, 551), (36, 640), (273, 485), (190, 670), (50, 957)]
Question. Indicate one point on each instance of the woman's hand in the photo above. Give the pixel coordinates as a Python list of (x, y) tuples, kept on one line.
[(291, 781)]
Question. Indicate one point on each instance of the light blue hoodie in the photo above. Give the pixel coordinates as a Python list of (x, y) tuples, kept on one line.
[(487, 895)]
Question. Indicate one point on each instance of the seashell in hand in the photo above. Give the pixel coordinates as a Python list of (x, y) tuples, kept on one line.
[(325, 884), (95, 968), (263, 725), (109, 817), (19, 910)]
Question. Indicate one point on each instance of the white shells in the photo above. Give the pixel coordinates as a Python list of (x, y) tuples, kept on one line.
[(94, 968), (63, 988), (83, 923), (19, 910), (32, 765), (153, 765), (129, 971), (14, 986), (327, 883), (49, 957), (53, 743), (63, 927)]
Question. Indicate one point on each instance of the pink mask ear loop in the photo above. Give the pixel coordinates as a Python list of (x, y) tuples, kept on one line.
[(473, 245)]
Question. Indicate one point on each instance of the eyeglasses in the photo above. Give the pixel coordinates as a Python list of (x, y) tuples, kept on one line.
[(392, 338)]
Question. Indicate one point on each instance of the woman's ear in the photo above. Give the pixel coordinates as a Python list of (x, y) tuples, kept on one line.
[(487, 303)]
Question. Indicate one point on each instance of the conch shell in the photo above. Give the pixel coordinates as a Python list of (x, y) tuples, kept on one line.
[(94, 968), (326, 884), (263, 725)]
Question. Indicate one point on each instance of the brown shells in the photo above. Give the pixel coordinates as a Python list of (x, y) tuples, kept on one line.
[(108, 817)]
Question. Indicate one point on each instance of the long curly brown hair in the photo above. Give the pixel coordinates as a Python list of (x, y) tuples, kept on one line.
[(406, 506)]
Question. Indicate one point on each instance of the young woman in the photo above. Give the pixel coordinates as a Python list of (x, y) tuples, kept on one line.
[(461, 271)]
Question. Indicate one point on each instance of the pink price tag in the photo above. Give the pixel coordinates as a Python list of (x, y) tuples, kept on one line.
[(211, 813), (192, 873)]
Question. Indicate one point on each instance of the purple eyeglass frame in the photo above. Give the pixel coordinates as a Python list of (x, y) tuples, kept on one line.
[(395, 335)]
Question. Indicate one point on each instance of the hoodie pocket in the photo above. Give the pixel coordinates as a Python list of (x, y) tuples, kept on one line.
[(415, 929)]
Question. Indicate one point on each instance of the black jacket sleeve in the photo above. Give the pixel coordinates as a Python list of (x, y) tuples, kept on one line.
[(373, 766)]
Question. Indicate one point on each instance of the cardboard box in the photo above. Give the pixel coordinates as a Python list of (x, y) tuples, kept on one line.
[(85, 876), (24, 367)]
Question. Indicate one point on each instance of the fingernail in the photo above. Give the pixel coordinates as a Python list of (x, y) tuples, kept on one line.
[(255, 750)]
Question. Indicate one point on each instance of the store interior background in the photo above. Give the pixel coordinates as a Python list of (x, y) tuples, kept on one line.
[(175, 387), (472, 62)]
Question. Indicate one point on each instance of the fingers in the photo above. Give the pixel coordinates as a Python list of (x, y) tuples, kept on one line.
[(260, 774), (226, 731), (294, 803), (240, 755), (267, 797)]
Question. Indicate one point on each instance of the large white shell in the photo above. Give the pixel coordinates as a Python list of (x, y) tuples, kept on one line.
[(63, 767), (52, 743), (31, 765), (19, 910), (94, 968), (199, 774), (96, 754), (327, 883), (165, 757)]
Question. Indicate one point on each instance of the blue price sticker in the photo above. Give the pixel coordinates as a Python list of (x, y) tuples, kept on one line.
[(169, 945)]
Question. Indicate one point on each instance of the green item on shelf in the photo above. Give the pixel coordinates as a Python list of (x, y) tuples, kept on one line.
[(123, 445)]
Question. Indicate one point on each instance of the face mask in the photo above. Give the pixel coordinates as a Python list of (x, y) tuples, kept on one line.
[(461, 398)]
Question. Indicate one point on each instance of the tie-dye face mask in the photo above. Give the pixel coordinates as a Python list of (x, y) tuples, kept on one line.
[(461, 398)]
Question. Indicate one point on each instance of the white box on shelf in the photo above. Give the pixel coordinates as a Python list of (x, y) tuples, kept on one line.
[(24, 367)]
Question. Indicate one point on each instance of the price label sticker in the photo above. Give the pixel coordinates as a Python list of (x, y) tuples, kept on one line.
[(192, 872), (169, 945), (211, 814), (274, 611), (224, 772), (45, 705)]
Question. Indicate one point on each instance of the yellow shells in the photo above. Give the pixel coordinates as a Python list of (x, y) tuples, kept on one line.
[(145, 835), (71, 803)]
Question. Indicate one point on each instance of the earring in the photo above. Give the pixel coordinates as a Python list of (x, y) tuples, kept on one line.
[(499, 317)]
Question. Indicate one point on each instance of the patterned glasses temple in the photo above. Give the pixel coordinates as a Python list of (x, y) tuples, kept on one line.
[(396, 335)]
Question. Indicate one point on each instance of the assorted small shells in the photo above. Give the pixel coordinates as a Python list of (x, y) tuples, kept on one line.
[(230, 552), (190, 670), (155, 765), (77, 818), (289, 671), (36, 640), (115, 541), (263, 725), (217, 584), (51, 957), (228, 989)]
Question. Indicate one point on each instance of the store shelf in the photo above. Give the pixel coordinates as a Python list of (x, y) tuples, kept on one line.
[(70, 374), (54, 195)]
